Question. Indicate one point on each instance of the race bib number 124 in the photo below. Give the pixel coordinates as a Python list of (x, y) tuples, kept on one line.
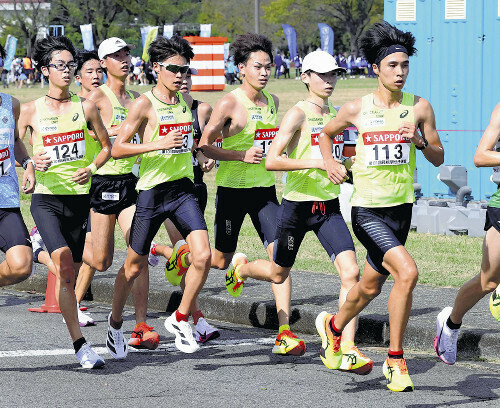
[(65, 147)]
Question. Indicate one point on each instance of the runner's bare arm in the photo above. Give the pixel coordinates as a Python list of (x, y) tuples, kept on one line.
[(486, 155), (426, 122), (345, 117), (291, 126), (21, 154), (139, 112), (222, 113)]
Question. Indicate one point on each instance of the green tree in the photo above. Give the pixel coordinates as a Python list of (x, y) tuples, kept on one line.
[(348, 18)]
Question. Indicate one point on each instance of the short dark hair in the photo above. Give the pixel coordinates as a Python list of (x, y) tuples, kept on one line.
[(45, 47), (2, 52), (381, 36), (82, 56), (163, 48), (245, 44)]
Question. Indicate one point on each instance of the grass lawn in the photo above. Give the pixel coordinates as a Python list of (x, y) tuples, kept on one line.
[(442, 260)]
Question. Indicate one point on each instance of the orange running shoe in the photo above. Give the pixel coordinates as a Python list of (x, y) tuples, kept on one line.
[(143, 337), (288, 344)]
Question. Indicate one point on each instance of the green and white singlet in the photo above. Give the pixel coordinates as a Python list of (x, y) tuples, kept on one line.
[(66, 140), (385, 161), (259, 131), (168, 165), (120, 166), (312, 184)]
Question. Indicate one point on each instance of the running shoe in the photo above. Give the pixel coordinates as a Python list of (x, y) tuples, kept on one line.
[(233, 285), (36, 241), (84, 319), (495, 303), (88, 358), (330, 352), (115, 342), (143, 337), (445, 342), (354, 361), (397, 376), (204, 332), (153, 260), (288, 344), (175, 268), (184, 339)]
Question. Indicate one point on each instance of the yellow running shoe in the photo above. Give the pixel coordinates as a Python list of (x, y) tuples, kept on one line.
[(175, 268), (234, 285), (354, 361), (330, 352), (396, 372), (495, 303), (288, 344)]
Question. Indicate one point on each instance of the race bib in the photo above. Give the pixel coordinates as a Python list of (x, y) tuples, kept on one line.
[(65, 147), (263, 139), (135, 140), (337, 146), (386, 148), (5, 162), (187, 135)]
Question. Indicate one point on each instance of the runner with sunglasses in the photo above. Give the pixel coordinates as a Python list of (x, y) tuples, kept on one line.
[(163, 119), (60, 204)]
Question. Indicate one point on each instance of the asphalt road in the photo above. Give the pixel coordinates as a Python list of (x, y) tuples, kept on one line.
[(38, 369)]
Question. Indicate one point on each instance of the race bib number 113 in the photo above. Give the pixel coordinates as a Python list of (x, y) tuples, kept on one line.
[(386, 148)]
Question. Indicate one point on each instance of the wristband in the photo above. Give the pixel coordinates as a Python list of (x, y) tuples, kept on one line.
[(26, 161), (424, 146), (197, 150), (92, 167)]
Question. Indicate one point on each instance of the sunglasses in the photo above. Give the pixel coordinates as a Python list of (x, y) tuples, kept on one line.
[(61, 66), (174, 68)]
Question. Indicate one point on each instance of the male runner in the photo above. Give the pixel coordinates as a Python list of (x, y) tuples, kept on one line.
[(60, 205), (179, 256), (388, 121), (488, 279), (14, 237), (89, 74), (247, 118), (310, 200), (164, 120)]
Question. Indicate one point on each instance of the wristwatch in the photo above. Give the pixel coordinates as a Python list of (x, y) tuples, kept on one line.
[(424, 146), (196, 151)]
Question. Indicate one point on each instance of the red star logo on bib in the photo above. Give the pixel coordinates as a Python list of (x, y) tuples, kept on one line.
[(48, 139), (368, 138)]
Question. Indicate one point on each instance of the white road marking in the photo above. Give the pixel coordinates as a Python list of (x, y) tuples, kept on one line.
[(162, 347)]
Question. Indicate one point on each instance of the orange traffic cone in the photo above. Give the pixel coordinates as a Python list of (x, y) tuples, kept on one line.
[(50, 305)]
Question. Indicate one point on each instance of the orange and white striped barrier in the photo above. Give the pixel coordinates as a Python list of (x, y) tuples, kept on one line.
[(209, 61)]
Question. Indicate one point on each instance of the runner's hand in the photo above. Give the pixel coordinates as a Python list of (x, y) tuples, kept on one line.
[(336, 172), (42, 161), (206, 164), (253, 155), (29, 181), (410, 131), (172, 140), (82, 176)]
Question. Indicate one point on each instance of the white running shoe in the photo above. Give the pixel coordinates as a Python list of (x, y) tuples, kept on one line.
[(445, 342), (184, 339), (36, 239), (204, 332), (84, 319), (115, 342), (153, 260), (88, 358)]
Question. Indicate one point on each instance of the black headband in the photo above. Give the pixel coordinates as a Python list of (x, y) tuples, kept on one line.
[(384, 52)]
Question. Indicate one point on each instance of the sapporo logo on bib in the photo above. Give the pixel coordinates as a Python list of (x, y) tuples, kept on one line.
[(65, 147), (386, 148), (187, 137), (5, 162), (263, 139), (337, 146)]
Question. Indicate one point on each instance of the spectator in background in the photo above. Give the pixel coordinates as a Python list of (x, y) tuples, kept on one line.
[(343, 64), (297, 62), (351, 65), (231, 71), (27, 69), (278, 61), (286, 67)]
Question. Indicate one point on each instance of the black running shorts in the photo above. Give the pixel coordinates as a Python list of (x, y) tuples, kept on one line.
[(172, 199), (231, 206), (112, 194), (295, 218), (492, 218), (62, 221), (380, 229), (13, 231), (201, 193)]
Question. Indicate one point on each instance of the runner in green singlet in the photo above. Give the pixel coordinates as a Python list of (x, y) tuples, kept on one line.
[(59, 134), (488, 280), (391, 125)]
